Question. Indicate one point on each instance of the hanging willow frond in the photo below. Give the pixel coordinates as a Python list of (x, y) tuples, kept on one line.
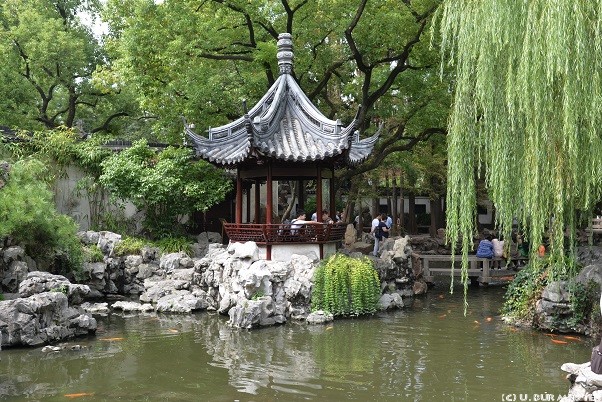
[(527, 112)]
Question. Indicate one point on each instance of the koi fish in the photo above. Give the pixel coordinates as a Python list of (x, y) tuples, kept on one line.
[(443, 316), (112, 339), (556, 341), (441, 297), (173, 331), (476, 322), (550, 335), (327, 328), (79, 395), (571, 338), (488, 319)]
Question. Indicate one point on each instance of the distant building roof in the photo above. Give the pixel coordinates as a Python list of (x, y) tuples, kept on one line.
[(283, 125)]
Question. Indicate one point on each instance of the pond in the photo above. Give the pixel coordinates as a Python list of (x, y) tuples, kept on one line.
[(427, 352)]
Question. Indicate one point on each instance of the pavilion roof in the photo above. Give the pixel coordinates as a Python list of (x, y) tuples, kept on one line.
[(283, 125)]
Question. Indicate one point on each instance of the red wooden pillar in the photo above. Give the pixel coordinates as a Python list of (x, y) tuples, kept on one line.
[(238, 212), (319, 203), (269, 196), (269, 208), (257, 203), (333, 209), (319, 193)]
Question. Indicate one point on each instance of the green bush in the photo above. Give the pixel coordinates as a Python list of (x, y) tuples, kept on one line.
[(346, 286), (28, 215), (584, 297), (175, 245), (130, 245), (524, 290), (165, 185), (93, 254)]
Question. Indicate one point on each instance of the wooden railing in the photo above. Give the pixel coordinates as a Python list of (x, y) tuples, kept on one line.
[(480, 268), (282, 233)]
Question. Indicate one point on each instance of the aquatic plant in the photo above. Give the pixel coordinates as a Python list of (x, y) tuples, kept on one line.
[(345, 286)]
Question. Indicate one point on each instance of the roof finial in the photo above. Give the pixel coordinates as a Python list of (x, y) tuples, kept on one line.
[(285, 53)]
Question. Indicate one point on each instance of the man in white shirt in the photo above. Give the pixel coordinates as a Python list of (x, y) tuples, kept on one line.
[(373, 231)]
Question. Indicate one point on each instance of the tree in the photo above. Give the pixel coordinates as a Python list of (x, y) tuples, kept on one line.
[(202, 59), (165, 185), (526, 116), (53, 71)]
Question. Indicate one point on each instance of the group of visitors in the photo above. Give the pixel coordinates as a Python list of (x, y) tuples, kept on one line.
[(380, 228), (492, 247)]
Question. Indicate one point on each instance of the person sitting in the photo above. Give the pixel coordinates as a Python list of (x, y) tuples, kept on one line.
[(326, 217), (299, 222), (485, 249)]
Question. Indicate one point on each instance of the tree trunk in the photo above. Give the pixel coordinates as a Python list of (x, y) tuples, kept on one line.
[(394, 210), (412, 226)]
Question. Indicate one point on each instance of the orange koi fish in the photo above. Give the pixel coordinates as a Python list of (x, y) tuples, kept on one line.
[(441, 297), (489, 319), (443, 316), (556, 341), (79, 395), (571, 338), (112, 339)]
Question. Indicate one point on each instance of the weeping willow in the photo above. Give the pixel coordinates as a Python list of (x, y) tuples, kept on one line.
[(526, 117)]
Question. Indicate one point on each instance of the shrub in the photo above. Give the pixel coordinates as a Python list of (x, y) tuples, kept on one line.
[(524, 290), (584, 298), (93, 254), (346, 286), (165, 186), (130, 245), (175, 245), (28, 215)]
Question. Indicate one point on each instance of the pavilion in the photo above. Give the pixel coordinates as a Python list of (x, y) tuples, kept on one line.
[(283, 137)]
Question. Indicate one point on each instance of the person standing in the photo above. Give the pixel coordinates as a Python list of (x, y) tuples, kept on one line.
[(388, 221), (379, 231)]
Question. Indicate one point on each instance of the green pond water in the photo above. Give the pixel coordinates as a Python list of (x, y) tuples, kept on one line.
[(428, 352)]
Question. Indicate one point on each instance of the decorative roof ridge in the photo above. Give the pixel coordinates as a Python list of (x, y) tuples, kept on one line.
[(368, 140)]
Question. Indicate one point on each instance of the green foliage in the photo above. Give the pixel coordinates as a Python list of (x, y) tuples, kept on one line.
[(130, 245), (346, 286), (28, 215), (258, 295), (93, 254), (64, 289), (164, 185), (524, 290), (175, 245), (583, 299), (525, 117)]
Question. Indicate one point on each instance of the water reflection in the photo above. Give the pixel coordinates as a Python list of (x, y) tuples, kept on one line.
[(428, 352)]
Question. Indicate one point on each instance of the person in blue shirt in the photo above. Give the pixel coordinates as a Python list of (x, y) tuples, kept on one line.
[(485, 249), (389, 221)]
